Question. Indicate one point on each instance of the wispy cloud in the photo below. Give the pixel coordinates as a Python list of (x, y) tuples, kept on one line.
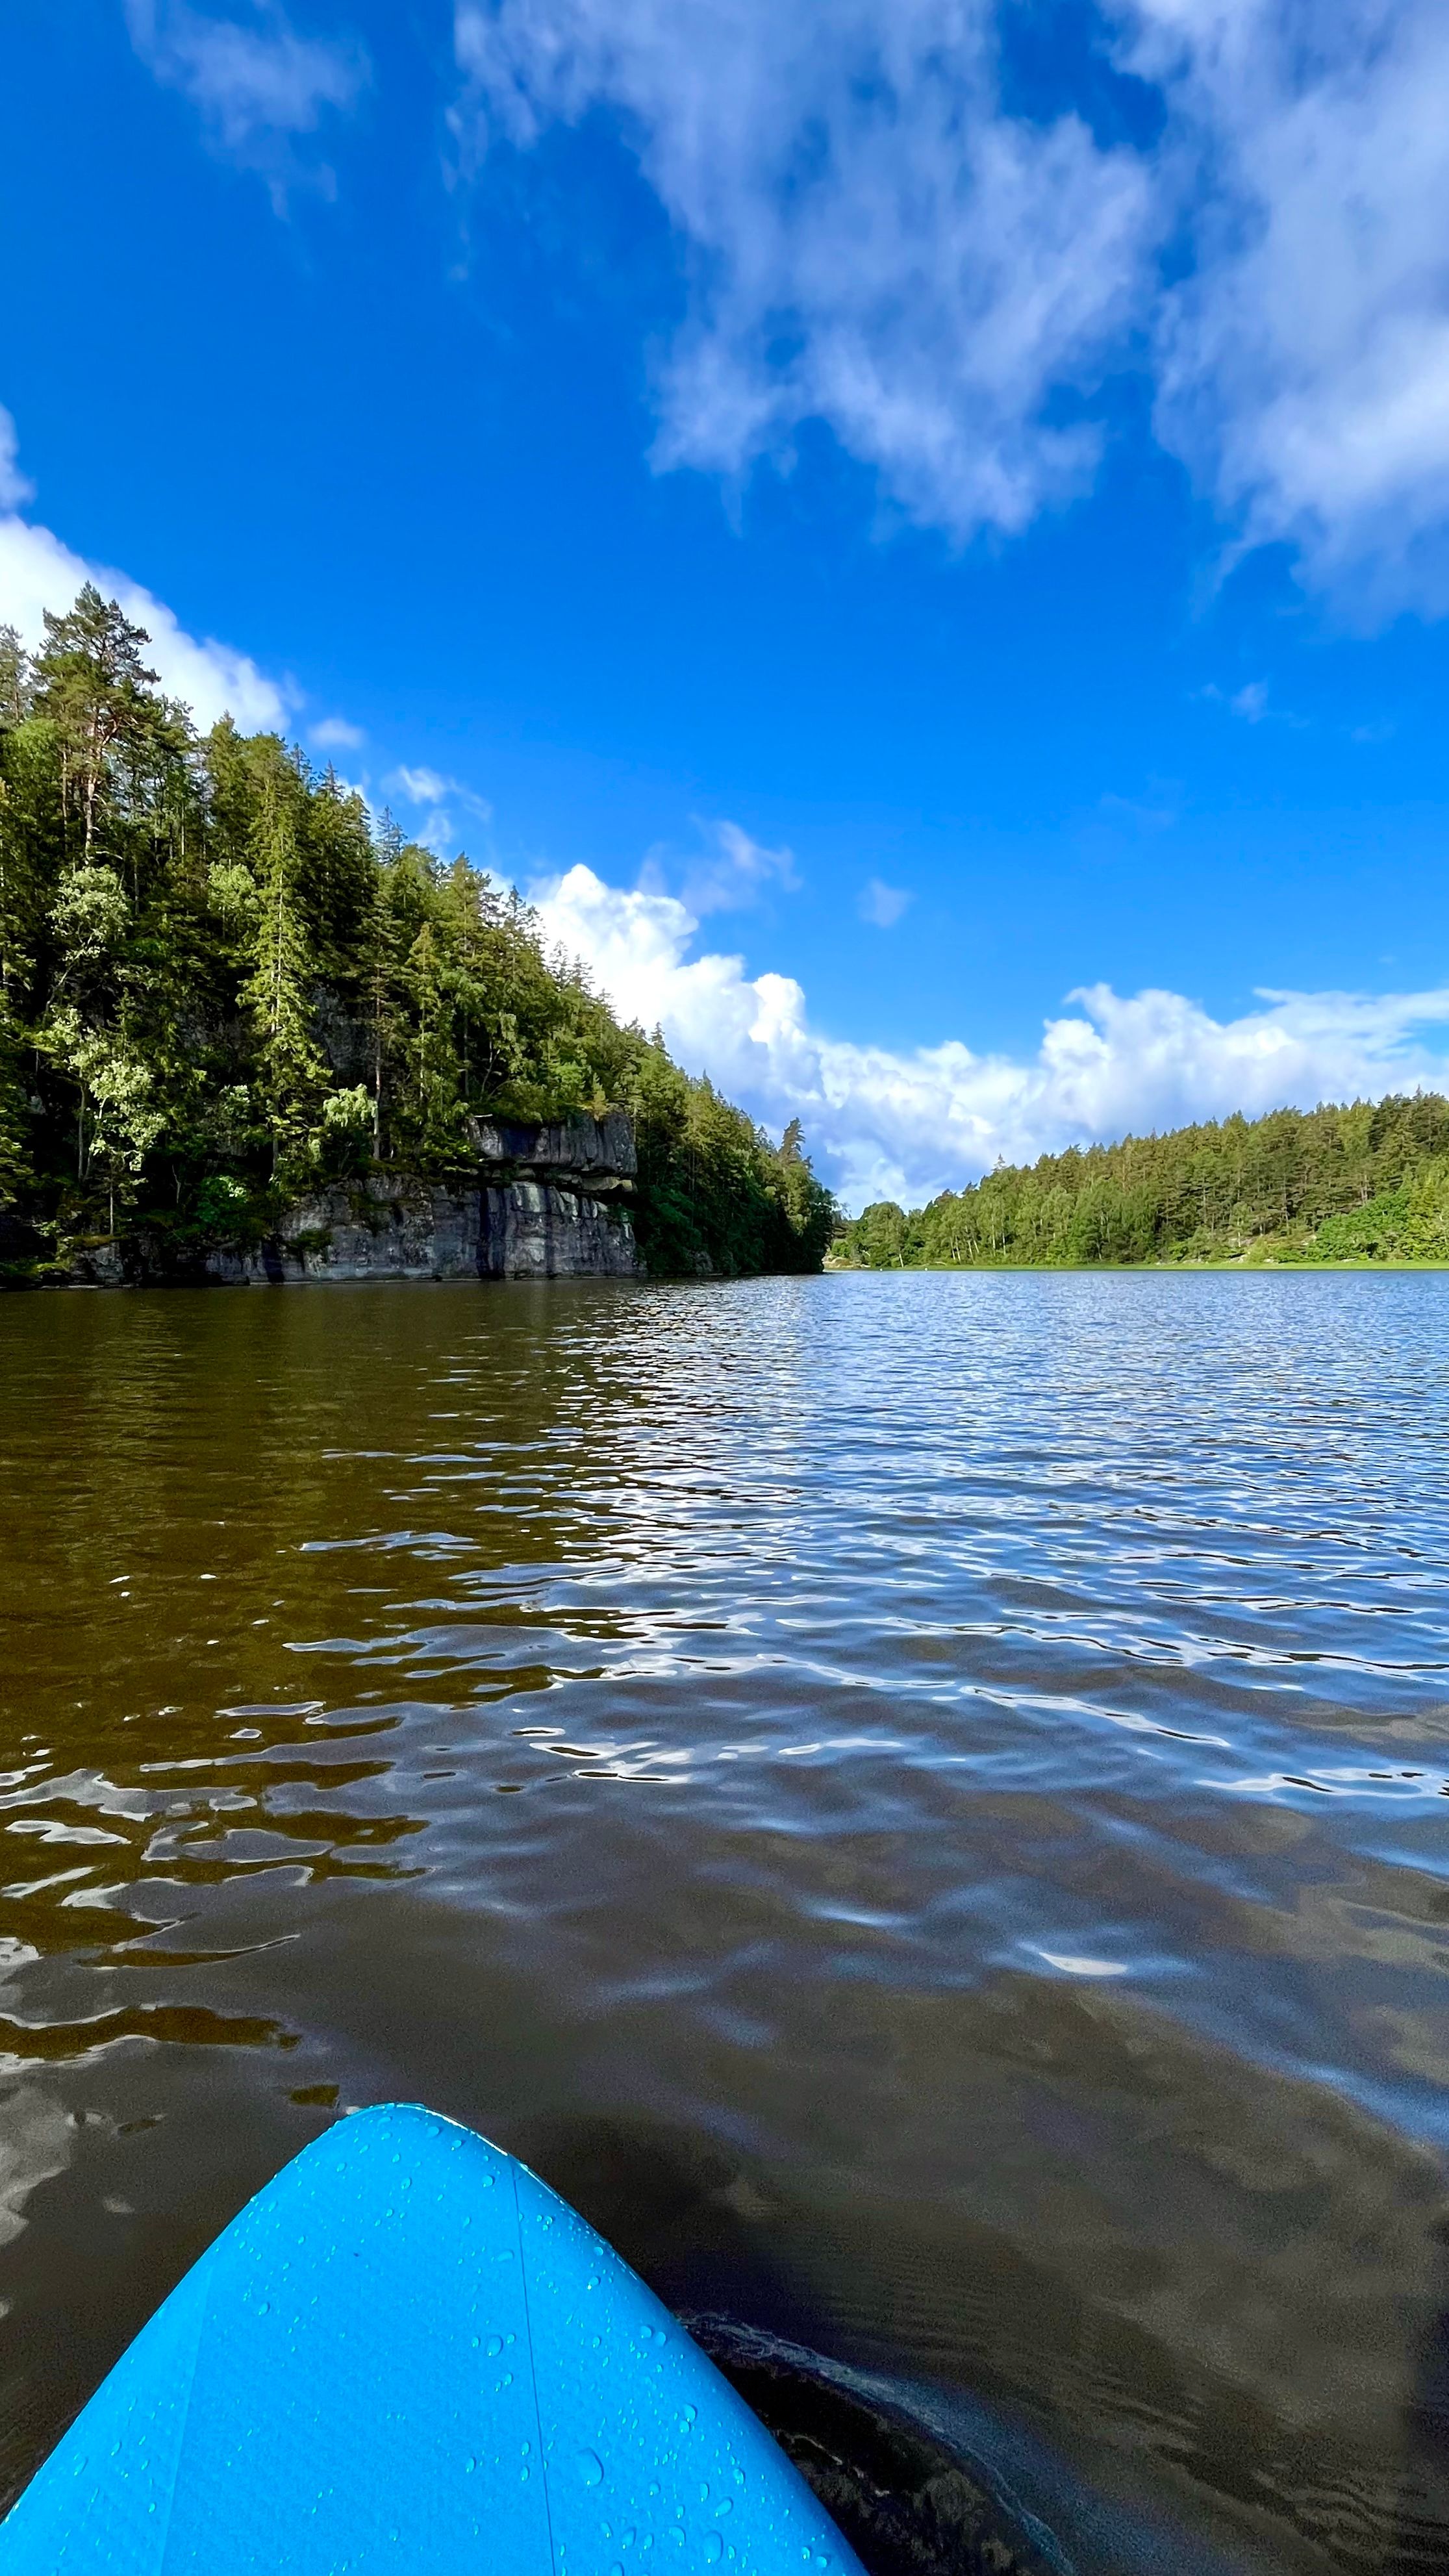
[(732, 873), (257, 84), (1156, 811), (428, 788), (903, 1123), (1303, 362), (15, 488), (1253, 703), (877, 242), (882, 905), (334, 733), (38, 572)]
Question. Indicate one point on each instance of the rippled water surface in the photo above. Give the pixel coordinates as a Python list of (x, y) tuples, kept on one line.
[(919, 1802)]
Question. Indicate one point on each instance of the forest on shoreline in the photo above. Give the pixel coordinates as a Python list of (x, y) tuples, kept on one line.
[(224, 986), (1364, 1182)]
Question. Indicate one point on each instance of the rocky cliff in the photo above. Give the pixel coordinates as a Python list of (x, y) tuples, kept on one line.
[(542, 1203)]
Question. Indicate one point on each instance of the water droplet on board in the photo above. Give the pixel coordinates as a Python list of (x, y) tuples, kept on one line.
[(590, 2468), (713, 2548), (495, 2346)]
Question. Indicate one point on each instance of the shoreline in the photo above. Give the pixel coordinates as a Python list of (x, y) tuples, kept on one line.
[(1121, 1269)]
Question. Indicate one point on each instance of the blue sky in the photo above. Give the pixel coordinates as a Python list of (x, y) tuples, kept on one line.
[(885, 516)]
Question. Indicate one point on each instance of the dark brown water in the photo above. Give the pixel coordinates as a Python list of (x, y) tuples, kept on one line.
[(920, 1802)]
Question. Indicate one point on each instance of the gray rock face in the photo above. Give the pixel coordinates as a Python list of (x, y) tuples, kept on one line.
[(599, 1152), (547, 1203), (396, 1229)]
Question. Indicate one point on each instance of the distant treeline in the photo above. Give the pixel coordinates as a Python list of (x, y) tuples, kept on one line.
[(1369, 1182), (221, 987)]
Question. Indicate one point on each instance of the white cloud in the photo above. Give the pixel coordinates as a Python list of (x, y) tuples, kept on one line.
[(422, 787), (334, 733), (872, 241), (38, 572), (429, 787), (257, 84), (1304, 362), (419, 786), (875, 243), (903, 1124), (732, 874), (1253, 702), (15, 488), (882, 905)]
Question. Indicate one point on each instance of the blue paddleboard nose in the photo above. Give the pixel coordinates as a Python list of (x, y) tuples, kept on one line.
[(408, 2354)]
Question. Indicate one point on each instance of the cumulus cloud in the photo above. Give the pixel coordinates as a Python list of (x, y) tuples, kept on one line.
[(38, 572), (256, 83), (875, 242), (888, 1123), (334, 733), (882, 905)]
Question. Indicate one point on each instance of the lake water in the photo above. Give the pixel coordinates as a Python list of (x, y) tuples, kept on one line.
[(918, 1801)]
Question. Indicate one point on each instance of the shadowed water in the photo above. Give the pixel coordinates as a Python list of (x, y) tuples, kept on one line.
[(917, 1801)]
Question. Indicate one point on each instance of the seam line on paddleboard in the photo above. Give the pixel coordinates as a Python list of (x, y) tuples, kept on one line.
[(532, 2366), (164, 2551)]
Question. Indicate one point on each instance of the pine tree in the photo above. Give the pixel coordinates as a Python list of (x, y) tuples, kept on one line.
[(202, 948), (90, 680), (278, 992)]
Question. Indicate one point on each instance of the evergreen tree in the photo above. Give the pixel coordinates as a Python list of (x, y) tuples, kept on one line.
[(91, 682), (1353, 1183), (279, 990), (218, 988)]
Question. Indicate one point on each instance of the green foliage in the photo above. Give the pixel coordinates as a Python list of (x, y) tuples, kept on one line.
[(1368, 1182), (219, 988), (715, 1196)]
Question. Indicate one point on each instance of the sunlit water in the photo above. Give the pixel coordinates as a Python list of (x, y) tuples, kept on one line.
[(919, 1802)]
